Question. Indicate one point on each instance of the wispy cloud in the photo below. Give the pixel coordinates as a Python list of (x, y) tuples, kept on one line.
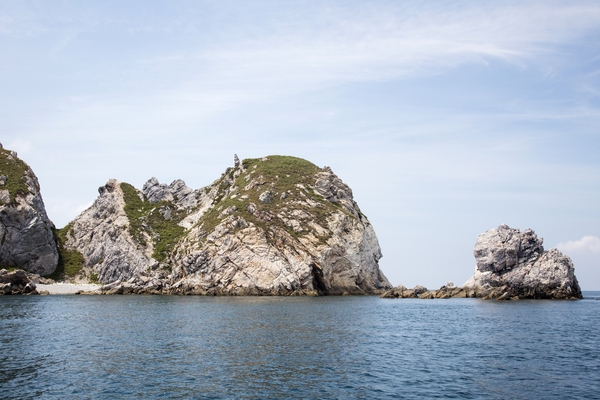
[(585, 244), (177, 87)]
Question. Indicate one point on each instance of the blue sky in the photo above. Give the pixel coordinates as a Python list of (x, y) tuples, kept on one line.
[(446, 118)]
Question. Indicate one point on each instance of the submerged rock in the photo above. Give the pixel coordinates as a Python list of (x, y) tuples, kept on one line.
[(513, 265), (27, 234), (272, 226)]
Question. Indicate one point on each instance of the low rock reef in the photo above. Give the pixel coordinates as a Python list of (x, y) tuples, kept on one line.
[(16, 282), (511, 265)]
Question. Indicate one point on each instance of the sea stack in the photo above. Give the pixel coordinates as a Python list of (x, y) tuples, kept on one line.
[(27, 234), (513, 265), (276, 225)]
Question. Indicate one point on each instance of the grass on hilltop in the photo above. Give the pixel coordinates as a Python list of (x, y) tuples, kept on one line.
[(277, 174), (15, 171)]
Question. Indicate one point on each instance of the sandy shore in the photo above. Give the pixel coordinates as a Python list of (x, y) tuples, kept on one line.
[(67, 288)]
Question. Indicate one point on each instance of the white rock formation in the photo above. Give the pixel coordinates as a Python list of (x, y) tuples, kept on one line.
[(101, 234), (27, 239), (513, 264)]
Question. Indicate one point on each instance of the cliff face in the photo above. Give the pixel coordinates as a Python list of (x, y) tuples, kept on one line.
[(512, 263), (100, 236), (276, 225), (26, 233)]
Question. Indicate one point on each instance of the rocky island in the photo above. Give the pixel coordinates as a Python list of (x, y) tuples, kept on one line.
[(510, 264), (276, 225)]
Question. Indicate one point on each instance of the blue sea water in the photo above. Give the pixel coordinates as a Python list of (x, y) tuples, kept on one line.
[(170, 347)]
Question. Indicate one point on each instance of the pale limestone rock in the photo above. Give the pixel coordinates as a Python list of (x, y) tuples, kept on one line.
[(155, 191), (511, 263), (101, 234), (265, 197), (235, 243)]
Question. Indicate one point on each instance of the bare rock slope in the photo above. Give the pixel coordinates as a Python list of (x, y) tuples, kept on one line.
[(272, 226), (27, 239)]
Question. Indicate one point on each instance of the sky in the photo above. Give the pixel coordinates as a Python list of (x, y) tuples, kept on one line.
[(446, 118)]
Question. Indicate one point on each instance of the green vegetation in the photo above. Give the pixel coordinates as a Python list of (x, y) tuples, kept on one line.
[(145, 217), (94, 278), (278, 174), (284, 171), (15, 171), (136, 209), (70, 262)]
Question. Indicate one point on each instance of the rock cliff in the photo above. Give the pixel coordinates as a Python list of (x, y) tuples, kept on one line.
[(272, 226), (27, 239), (513, 264)]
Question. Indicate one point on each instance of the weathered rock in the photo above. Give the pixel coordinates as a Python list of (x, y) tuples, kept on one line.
[(511, 264), (394, 293), (16, 282), (265, 197), (237, 236), (420, 289), (5, 288), (450, 290), (401, 292), (27, 233)]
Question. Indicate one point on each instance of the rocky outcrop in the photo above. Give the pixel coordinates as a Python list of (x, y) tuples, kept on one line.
[(16, 282), (449, 290), (402, 292), (271, 226), (27, 239), (513, 265), (102, 236)]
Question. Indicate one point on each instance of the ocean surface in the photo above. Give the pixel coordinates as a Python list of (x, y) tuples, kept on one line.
[(170, 347)]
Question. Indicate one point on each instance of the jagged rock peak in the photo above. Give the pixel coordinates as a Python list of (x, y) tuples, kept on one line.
[(176, 192), (26, 231), (503, 248), (513, 264)]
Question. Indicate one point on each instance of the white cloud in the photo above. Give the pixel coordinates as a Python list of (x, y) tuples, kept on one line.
[(586, 243)]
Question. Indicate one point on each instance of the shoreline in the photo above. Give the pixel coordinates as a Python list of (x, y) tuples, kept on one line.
[(67, 288)]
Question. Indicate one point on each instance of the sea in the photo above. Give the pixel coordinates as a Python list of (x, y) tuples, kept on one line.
[(346, 347)]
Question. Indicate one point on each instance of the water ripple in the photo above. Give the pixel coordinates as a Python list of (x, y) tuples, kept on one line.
[(329, 347)]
